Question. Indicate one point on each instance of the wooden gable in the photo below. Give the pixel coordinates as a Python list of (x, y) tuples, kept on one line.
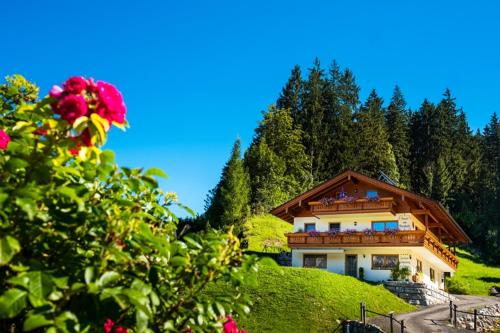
[(357, 189)]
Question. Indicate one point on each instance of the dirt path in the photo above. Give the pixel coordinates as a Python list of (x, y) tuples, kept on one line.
[(435, 318)]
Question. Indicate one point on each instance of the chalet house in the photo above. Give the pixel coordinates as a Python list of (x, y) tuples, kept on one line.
[(357, 225)]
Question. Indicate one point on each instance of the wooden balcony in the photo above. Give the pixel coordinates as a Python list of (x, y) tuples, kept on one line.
[(378, 239), (360, 205)]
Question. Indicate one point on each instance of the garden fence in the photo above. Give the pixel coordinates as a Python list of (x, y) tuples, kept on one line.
[(393, 322)]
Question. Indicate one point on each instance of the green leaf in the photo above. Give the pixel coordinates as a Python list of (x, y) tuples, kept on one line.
[(15, 164), (141, 321), (192, 242), (12, 302), (107, 157), (108, 278), (3, 197), (20, 280), (28, 206), (89, 274), (179, 261), (61, 282), (72, 195), (39, 287), (139, 300), (67, 322), (156, 172), (9, 247), (34, 321), (220, 309)]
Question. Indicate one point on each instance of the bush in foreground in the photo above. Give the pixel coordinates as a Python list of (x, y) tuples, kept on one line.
[(86, 246)]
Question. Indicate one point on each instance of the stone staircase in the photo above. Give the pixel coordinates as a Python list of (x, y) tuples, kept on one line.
[(418, 293)]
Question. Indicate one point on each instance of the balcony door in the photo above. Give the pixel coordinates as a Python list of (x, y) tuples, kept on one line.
[(351, 265)]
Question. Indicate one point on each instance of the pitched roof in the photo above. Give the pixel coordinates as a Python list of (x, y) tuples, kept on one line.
[(434, 207)]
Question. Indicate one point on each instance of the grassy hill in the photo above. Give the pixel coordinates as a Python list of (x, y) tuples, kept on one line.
[(473, 277), (265, 233), (290, 299), (287, 299)]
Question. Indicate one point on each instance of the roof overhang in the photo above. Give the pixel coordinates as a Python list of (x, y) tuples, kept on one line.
[(440, 213)]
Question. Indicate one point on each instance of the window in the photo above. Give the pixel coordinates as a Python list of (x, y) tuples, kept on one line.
[(384, 262), (334, 227), (310, 227), (419, 266), (315, 260), (384, 225), (371, 194), (432, 274)]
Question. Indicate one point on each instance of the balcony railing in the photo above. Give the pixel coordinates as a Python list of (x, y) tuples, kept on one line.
[(343, 206), (360, 239)]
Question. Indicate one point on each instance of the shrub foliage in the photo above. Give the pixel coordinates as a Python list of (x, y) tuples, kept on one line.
[(83, 241)]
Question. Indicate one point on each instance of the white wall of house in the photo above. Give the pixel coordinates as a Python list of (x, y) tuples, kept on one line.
[(407, 257), (359, 222)]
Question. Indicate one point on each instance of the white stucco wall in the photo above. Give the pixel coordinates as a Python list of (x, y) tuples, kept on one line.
[(407, 256), (355, 221)]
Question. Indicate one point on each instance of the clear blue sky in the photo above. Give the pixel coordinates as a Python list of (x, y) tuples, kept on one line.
[(195, 75)]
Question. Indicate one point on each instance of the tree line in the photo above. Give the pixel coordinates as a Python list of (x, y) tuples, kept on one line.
[(320, 127)]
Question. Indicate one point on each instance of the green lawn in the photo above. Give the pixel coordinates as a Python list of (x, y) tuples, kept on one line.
[(266, 233), (287, 299), (473, 277)]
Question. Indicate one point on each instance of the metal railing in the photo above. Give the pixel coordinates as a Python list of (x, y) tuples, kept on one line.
[(390, 316), (453, 315)]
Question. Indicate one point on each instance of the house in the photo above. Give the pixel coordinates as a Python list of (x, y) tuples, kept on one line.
[(356, 225)]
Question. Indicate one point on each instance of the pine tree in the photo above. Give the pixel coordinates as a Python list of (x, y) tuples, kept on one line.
[(291, 95), (422, 126), (397, 122), (313, 120), (276, 161), (344, 148), (375, 153), (228, 202), (339, 143), (267, 177)]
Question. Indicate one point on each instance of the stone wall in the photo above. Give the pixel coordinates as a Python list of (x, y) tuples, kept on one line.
[(418, 293), (485, 323), (353, 326)]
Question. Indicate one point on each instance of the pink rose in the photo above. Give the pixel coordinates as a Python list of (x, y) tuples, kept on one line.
[(55, 92), (75, 85), (230, 325), (121, 329), (71, 107), (110, 104), (108, 326), (4, 140)]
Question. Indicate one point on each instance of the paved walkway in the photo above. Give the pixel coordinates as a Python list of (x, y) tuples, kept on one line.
[(435, 318)]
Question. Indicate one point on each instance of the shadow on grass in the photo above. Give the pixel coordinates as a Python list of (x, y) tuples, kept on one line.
[(490, 279), (471, 257)]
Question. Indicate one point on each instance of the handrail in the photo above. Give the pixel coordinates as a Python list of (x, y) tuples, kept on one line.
[(343, 206), (390, 316), (353, 239)]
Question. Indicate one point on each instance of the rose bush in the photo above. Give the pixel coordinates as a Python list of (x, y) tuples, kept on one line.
[(86, 246)]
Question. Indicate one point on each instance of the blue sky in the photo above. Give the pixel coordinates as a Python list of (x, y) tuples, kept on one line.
[(195, 75)]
